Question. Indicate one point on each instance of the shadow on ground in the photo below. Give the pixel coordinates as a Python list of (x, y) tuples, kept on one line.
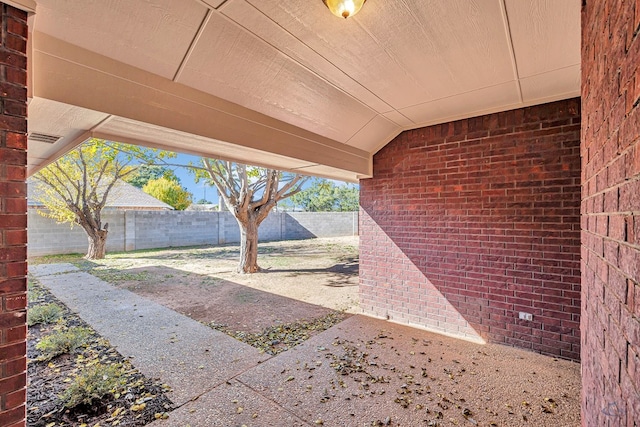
[(338, 275), (210, 299)]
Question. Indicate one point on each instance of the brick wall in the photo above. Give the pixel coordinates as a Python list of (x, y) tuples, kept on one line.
[(13, 219), (466, 224), (611, 213)]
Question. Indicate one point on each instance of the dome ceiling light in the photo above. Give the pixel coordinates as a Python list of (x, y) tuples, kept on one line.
[(344, 8)]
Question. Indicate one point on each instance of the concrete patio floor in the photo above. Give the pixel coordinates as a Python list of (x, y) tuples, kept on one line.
[(361, 372)]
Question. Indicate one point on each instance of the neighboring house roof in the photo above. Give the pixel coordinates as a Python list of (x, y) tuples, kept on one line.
[(123, 195)]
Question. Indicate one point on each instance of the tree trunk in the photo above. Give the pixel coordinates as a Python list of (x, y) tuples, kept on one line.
[(97, 244), (248, 246)]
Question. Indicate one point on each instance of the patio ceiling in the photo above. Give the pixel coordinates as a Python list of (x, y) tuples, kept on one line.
[(285, 83)]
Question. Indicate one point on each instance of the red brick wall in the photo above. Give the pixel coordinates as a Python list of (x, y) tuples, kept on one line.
[(611, 213), (466, 224), (13, 218)]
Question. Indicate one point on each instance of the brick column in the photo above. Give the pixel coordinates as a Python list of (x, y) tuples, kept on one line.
[(13, 218), (610, 153)]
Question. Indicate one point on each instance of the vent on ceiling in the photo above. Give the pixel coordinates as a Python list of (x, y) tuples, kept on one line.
[(43, 137)]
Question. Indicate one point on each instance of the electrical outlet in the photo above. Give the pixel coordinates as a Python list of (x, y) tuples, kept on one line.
[(525, 316)]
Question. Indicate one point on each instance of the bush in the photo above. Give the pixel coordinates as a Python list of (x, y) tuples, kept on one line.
[(47, 313), (94, 383), (61, 342)]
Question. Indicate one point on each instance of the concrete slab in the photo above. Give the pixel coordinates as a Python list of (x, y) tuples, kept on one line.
[(231, 404), (48, 269), (184, 354), (369, 372)]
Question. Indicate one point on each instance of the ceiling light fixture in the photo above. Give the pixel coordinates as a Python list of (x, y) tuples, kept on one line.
[(344, 8)]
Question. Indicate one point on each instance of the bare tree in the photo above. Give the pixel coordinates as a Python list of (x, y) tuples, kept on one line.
[(250, 193)]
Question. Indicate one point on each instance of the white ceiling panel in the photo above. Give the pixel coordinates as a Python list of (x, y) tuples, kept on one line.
[(254, 21), (348, 45), (476, 103), (539, 87), (152, 34), (368, 138), (545, 34), (408, 51), (399, 119), (242, 68)]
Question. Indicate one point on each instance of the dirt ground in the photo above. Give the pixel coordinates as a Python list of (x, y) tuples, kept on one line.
[(305, 279)]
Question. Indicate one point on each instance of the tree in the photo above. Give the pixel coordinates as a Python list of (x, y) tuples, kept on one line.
[(170, 192), (146, 173), (76, 187), (250, 193), (325, 196)]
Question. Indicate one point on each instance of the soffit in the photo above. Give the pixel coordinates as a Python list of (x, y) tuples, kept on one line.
[(357, 82)]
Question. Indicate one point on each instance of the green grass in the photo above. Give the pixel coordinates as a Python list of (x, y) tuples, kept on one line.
[(115, 275)]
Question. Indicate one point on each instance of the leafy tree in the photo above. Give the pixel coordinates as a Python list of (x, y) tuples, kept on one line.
[(325, 196), (76, 187), (170, 192), (250, 193), (203, 202), (146, 173), (347, 197)]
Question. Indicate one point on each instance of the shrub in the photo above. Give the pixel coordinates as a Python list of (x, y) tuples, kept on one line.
[(47, 313), (61, 342), (94, 383)]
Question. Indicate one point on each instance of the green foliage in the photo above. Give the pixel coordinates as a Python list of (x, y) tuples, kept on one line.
[(75, 188), (94, 383), (46, 313), (170, 192), (61, 342), (146, 173), (325, 196), (203, 202)]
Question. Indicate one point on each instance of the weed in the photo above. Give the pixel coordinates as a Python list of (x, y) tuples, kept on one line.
[(34, 293), (61, 342), (94, 383), (46, 313)]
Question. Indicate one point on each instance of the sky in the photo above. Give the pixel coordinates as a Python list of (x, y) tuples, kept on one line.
[(200, 190)]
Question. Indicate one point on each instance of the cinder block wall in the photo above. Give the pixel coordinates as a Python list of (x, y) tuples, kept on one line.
[(466, 224), (13, 218), (303, 225), (158, 229), (131, 230), (611, 213)]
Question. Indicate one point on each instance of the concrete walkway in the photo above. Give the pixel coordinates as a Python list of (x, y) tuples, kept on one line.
[(185, 354), (361, 372)]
